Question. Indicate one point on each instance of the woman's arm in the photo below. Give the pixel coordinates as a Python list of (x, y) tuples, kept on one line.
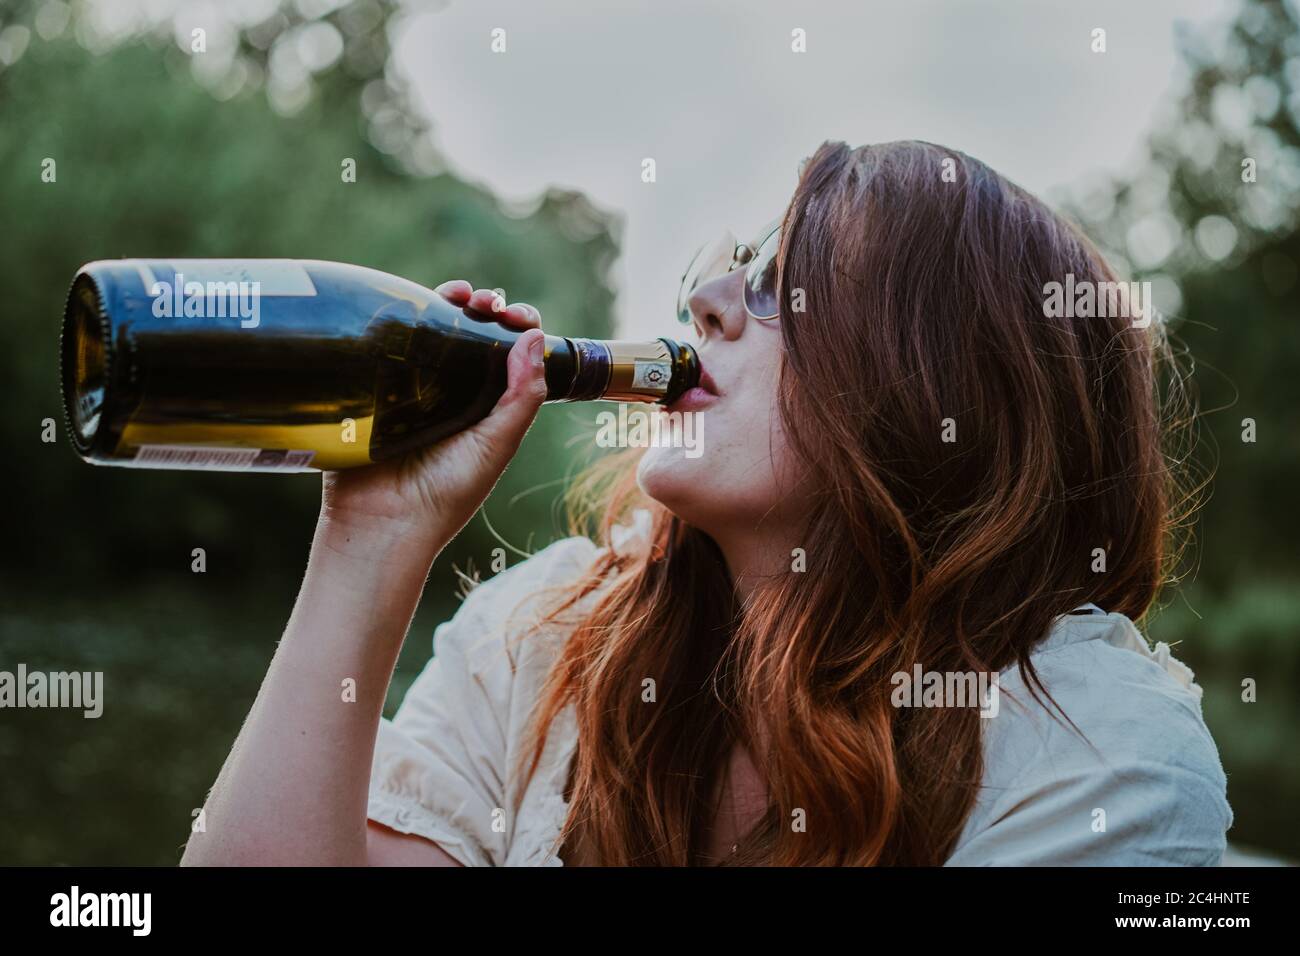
[(294, 788)]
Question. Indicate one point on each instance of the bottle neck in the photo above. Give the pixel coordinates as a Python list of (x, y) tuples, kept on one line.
[(654, 370)]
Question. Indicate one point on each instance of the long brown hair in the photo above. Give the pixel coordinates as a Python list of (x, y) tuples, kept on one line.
[(969, 456)]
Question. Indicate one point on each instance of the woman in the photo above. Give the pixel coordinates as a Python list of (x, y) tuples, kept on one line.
[(910, 468)]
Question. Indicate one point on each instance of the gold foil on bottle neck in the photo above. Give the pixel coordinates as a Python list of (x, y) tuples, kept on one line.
[(639, 371)]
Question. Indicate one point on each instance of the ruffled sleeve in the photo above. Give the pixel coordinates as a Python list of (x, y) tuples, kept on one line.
[(444, 764)]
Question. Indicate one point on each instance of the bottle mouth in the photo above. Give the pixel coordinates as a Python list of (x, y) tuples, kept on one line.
[(85, 362)]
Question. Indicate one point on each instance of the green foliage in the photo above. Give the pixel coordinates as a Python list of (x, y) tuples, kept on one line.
[(98, 572), (148, 164), (1248, 634), (1245, 341)]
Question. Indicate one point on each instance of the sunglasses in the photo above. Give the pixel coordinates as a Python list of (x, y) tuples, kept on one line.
[(724, 255)]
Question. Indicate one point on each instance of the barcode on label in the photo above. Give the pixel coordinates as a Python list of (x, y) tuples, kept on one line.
[(207, 458), (654, 375)]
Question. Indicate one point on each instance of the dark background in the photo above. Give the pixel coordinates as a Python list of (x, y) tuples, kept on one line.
[(154, 159)]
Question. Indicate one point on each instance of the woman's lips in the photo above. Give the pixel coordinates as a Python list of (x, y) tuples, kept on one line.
[(697, 398), (692, 400)]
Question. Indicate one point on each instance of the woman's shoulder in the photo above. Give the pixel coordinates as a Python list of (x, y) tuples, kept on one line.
[(500, 614), (1132, 701), (500, 610), (1115, 767), (560, 563)]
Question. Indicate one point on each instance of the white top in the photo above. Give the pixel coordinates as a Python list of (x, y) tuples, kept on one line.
[(445, 766)]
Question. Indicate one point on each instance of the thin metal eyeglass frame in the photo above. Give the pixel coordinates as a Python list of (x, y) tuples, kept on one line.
[(743, 254)]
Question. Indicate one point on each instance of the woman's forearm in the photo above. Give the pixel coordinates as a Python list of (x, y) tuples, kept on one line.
[(294, 788)]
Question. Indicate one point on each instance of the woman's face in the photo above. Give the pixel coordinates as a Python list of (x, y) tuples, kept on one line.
[(740, 477)]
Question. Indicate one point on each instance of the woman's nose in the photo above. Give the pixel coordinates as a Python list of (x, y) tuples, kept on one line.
[(718, 306)]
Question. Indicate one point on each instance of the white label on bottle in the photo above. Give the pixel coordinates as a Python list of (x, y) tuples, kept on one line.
[(655, 375), (210, 458), (273, 276)]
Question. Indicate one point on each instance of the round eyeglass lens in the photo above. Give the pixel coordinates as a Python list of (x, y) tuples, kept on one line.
[(760, 280)]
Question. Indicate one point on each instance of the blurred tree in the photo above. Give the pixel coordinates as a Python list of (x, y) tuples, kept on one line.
[(1212, 218), (148, 164)]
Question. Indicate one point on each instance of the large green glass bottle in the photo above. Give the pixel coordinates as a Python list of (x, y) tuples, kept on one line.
[(303, 365)]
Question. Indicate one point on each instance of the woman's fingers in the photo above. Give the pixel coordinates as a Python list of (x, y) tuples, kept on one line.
[(524, 316), (456, 291), (488, 304)]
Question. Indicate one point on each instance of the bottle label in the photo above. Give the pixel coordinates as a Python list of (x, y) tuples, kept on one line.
[(273, 276), (209, 458), (652, 375)]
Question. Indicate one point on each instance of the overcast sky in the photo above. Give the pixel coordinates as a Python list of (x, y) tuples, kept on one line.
[(711, 90)]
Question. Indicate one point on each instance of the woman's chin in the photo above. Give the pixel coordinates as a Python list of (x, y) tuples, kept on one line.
[(670, 478), (686, 486), (693, 491)]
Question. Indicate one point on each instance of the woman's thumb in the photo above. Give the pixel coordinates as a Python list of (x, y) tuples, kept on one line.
[(506, 425)]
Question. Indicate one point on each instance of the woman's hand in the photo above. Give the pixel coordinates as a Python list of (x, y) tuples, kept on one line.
[(429, 495)]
